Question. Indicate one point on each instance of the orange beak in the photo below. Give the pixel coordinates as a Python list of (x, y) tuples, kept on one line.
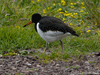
[(28, 24)]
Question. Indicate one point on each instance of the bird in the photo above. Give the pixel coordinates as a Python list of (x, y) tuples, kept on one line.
[(51, 29)]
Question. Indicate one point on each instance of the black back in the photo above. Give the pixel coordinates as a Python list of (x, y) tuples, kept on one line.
[(54, 24)]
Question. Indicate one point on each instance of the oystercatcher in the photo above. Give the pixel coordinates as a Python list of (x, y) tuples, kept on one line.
[(51, 29)]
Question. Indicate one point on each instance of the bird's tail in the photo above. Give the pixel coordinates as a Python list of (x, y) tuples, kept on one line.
[(76, 34)]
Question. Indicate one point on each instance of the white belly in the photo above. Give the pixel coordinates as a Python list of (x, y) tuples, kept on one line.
[(51, 36)]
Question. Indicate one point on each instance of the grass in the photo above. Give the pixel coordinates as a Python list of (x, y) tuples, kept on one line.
[(15, 14), (92, 7)]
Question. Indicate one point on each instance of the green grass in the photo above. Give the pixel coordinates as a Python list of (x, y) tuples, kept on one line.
[(14, 15), (93, 7)]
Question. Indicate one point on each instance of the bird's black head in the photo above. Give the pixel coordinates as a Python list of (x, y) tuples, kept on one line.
[(35, 18)]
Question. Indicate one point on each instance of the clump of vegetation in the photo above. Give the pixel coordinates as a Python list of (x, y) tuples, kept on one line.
[(93, 7)]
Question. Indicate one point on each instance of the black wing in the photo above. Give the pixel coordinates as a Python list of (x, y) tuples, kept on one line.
[(51, 23)]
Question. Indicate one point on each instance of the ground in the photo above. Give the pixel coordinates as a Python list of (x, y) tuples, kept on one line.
[(29, 65)]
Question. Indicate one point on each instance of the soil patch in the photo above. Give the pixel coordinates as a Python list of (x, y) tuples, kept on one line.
[(29, 65)]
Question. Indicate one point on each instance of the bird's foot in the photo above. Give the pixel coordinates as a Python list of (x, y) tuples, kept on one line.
[(62, 52), (47, 51)]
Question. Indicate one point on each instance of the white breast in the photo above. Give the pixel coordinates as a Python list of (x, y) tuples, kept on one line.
[(51, 36)]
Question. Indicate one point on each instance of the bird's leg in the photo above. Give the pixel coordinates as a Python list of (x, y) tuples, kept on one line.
[(62, 46), (46, 46)]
